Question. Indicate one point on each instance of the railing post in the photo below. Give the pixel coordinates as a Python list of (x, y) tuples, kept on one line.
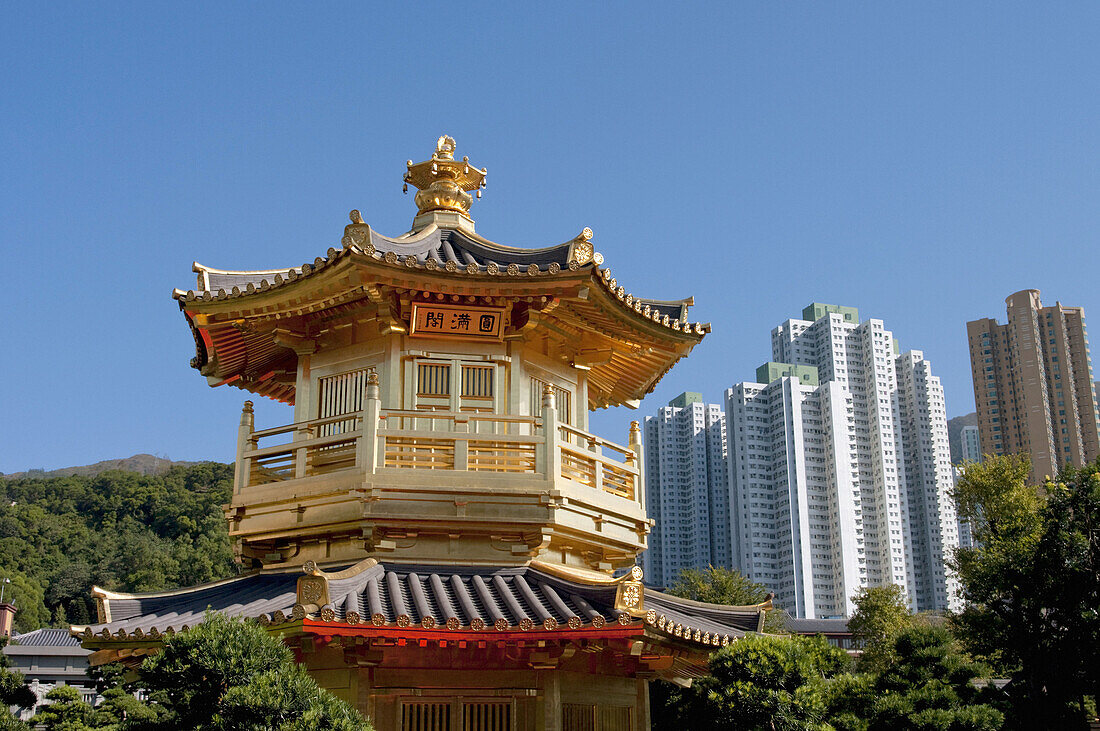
[(301, 454), (245, 444), (635, 444), (366, 453), (596, 450), (462, 446), (552, 459)]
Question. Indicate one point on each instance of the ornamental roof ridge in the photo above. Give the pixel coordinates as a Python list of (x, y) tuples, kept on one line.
[(670, 313), (100, 593), (575, 574)]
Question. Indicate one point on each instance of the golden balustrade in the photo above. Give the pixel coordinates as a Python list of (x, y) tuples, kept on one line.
[(377, 440)]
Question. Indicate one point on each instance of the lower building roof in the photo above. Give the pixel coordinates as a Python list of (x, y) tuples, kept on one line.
[(46, 637), (534, 597)]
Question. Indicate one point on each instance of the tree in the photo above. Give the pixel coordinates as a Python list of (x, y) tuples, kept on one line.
[(757, 682), (927, 687), (67, 711), (289, 699), (119, 706), (717, 585), (881, 613), (1068, 557), (9, 722), (120, 530), (14, 690), (26, 594), (1031, 586), (230, 674)]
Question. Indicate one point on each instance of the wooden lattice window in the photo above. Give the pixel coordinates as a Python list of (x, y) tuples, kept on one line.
[(615, 718), (425, 716), (477, 381), (578, 717), (487, 716), (433, 379), (340, 394), (563, 400)]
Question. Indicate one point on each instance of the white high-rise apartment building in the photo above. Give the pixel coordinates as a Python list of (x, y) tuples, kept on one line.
[(686, 490), (971, 450), (839, 468), (971, 446)]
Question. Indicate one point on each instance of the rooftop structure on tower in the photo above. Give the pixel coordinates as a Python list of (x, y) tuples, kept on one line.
[(438, 535)]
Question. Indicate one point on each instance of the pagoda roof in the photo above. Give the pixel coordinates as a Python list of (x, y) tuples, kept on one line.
[(446, 249), (535, 599), (644, 337)]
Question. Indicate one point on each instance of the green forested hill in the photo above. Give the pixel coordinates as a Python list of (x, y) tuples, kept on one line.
[(120, 530)]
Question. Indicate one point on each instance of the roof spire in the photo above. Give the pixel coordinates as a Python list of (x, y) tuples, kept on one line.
[(443, 186)]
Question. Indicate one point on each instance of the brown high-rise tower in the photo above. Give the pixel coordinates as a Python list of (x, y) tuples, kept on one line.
[(1033, 384)]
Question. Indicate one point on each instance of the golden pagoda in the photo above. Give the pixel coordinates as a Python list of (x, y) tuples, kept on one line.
[(438, 536)]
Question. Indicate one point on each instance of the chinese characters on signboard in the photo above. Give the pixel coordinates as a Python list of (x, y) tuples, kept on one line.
[(479, 323)]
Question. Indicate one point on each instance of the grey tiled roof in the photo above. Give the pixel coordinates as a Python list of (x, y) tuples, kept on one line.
[(444, 245), (439, 246), (712, 618), (440, 249), (252, 595), (429, 597), (44, 638)]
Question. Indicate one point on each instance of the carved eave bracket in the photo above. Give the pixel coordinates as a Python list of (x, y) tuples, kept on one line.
[(630, 594), (312, 589), (300, 343), (582, 251)]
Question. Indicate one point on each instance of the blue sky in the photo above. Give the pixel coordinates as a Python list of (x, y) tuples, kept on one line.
[(919, 161)]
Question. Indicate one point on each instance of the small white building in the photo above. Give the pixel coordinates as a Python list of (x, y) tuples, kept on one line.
[(971, 446), (49, 658)]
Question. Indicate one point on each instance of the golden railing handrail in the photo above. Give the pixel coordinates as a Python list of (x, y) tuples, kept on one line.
[(461, 415), (302, 443), (464, 436), (302, 425), (448, 440), (601, 458), (597, 440)]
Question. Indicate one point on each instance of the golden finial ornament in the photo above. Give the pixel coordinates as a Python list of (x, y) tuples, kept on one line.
[(443, 183)]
